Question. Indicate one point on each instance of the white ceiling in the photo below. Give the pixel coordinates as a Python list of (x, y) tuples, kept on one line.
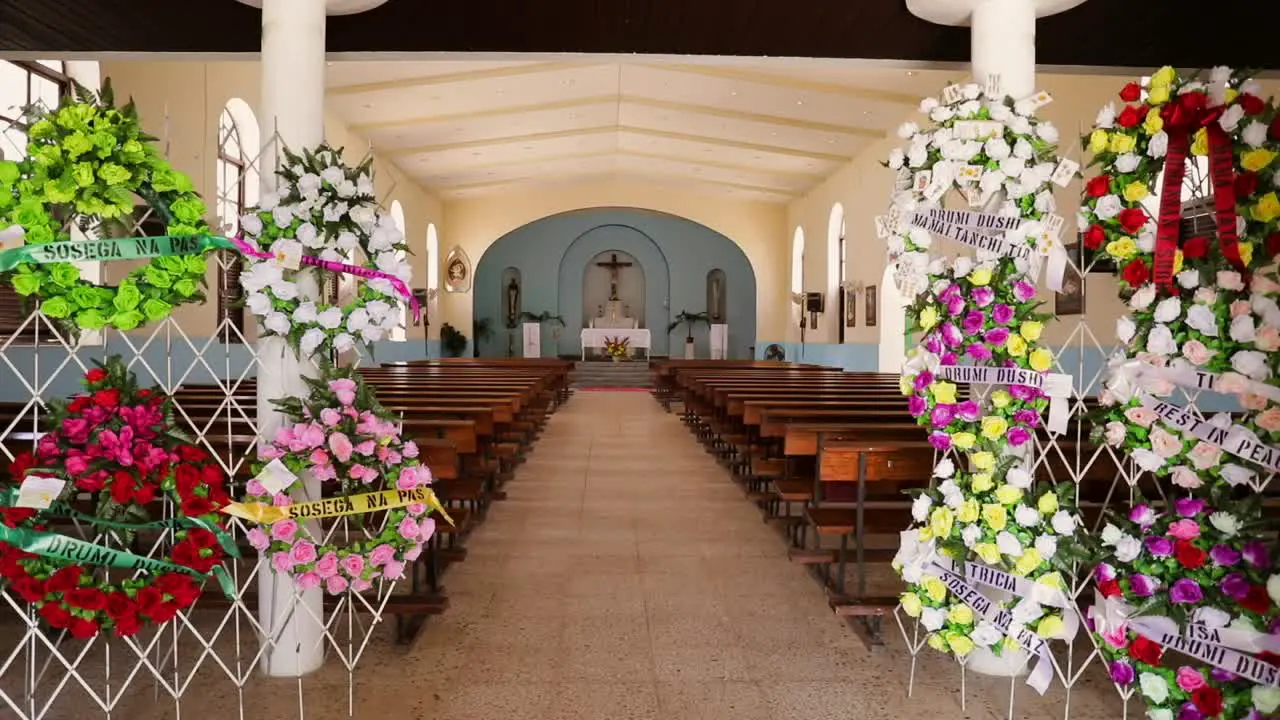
[(763, 130)]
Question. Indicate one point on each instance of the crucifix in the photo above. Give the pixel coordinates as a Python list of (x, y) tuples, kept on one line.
[(613, 266)]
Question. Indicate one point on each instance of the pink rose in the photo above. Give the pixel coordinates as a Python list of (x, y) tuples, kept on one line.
[(253, 487), (340, 444), (270, 452), (424, 475), (1254, 402), (1115, 433), (307, 581), (387, 456), (284, 436), (1142, 416), (353, 565), (1185, 477), (1240, 307), (1189, 679), (282, 562), (382, 555), (284, 530), (408, 528), (327, 565), (319, 457), (1204, 456), (336, 584), (1267, 338), (360, 585), (330, 417), (1269, 420), (1260, 283), (413, 553), (281, 500), (257, 539), (408, 479), (1117, 637), (311, 435), (393, 570), (1197, 352), (1165, 444), (324, 473), (1184, 529), (1230, 280), (304, 552), (1152, 359), (426, 529), (77, 464), (416, 509), (366, 447), (410, 449), (342, 385)]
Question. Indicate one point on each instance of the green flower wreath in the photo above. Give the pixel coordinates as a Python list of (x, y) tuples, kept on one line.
[(86, 161)]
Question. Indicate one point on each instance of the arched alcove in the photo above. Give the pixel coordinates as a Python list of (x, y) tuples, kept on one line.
[(597, 286), (673, 256), (717, 295), (892, 323), (237, 182)]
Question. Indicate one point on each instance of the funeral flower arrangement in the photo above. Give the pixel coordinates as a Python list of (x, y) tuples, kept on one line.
[(617, 348), (117, 443), (87, 161), (324, 210), (372, 477)]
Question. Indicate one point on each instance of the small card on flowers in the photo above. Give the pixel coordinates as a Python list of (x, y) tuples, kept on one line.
[(1064, 172), (977, 129), (952, 94), (38, 492), (994, 87), (275, 477)]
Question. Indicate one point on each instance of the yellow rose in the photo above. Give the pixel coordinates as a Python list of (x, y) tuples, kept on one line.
[(926, 534), (934, 588), (995, 516), (937, 643), (1031, 330), (963, 440), (1267, 209), (1177, 261), (994, 427), (1008, 643), (968, 511), (1158, 95), (1154, 123), (960, 615), (928, 318), (1098, 141), (1135, 191), (1052, 579), (1050, 626), (944, 392), (905, 386), (1016, 346), (1246, 251), (1163, 77), (1001, 398), (980, 276), (1229, 95), (1029, 561), (1040, 359), (1008, 494), (1200, 143), (1047, 504), (911, 604), (1121, 143), (981, 482), (988, 552), (940, 521), (982, 461), (1256, 159), (961, 645), (1122, 248)]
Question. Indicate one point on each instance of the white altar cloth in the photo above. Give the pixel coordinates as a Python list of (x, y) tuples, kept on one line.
[(595, 338)]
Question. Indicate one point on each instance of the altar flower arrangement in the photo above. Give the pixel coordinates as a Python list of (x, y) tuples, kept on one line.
[(345, 439), (617, 348)]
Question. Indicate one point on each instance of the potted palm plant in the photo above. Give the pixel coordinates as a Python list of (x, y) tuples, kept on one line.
[(688, 320), (481, 331)]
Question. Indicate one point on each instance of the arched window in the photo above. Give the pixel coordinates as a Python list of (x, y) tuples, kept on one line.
[(433, 257), (397, 217), (797, 261), (835, 266), (237, 190)]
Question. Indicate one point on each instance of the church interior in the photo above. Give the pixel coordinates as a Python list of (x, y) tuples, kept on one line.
[(731, 359)]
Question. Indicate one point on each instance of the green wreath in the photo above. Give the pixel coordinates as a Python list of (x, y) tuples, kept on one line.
[(86, 162)]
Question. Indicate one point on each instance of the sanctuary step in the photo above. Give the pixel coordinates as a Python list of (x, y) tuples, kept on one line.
[(596, 373)]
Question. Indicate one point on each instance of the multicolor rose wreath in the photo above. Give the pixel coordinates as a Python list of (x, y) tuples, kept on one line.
[(328, 211), (115, 443), (86, 162), (343, 436)]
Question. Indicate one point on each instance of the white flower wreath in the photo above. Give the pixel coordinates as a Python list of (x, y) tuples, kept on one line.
[(326, 210)]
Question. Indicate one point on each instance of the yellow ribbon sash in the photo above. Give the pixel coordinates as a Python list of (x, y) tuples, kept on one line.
[(264, 514)]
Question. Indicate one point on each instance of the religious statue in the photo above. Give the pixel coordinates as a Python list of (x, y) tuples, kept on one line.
[(513, 302), (715, 297), (613, 266)]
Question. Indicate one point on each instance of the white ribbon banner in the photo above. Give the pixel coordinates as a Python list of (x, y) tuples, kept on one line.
[(1237, 440), (1056, 385), (1226, 384), (1219, 647)]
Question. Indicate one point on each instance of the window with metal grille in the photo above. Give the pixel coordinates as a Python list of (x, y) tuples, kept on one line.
[(232, 166)]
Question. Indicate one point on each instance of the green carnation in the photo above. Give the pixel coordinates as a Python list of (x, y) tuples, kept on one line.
[(39, 235), (127, 296), (132, 151), (113, 174), (188, 209), (62, 190), (56, 307), (86, 296), (76, 144), (105, 143), (48, 155), (169, 263), (9, 172), (26, 284), (186, 287), (64, 274), (31, 213), (195, 264), (155, 309), (91, 319), (41, 130), (157, 277), (126, 320), (83, 174)]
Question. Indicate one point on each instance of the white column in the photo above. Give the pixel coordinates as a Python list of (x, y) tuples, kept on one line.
[(293, 67)]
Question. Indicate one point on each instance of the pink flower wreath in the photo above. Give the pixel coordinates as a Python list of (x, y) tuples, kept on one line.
[(343, 437)]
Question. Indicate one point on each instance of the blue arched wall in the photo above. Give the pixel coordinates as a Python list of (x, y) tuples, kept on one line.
[(676, 254)]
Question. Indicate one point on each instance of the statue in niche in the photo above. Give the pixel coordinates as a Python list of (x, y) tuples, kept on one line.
[(717, 293), (513, 302)]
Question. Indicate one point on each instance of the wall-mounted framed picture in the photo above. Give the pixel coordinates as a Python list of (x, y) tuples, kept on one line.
[(850, 307), (1071, 300), (870, 304)]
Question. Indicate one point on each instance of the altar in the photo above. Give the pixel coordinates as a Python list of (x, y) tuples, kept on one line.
[(595, 338)]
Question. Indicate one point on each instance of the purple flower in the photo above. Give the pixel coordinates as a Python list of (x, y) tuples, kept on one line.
[(942, 415), (947, 358), (973, 322), (968, 410), (916, 405), (1024, 290), (982, 296), (1018, 436), (940, 441), (923, 380), (1020, 392), (950, 292), (1190, 712), (1222, 676), (978, 351), (1121, 673), (933, 343), (1158, 546), (1189, 507), (1255, 553), (1185, 592), (955, 306), (996, 336), (1104, 572), (1001, 314), (1235, 586), (951, 335), (1143, 515), (1027, 416), (1274, 627), (1142, 585), (1224, 555)]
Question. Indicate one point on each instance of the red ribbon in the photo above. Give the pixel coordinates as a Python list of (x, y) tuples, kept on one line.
[(1183, 117)]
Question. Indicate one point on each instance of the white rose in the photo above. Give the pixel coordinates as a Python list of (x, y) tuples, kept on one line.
[(1185, 477), (1143, 297), (920, 237), (333, 174), (1022, 149), (311, 339), (944, 469), (347, 241), (971, 535), (1242, 329), (1252, 364), (277, 322), (267, 201), (251, 224), (928, 104), (1189, 279), (896, 158), (357, 320), (1168, 310), (969, 108), (1106, 118), (941, 114), (1158, 145), (1206, 296), (258, 303), (1236, 475), (1202, 319), (1018, 477), (1231, 117), (963, 266), (932, 618), (347, 189), (1107, 207), (343, 342), (364, 184), (1047, 132), (371, 334), (1226, 523), (1008, 544), (1265, 697), (331, 255), (1026, 516), (908, 130), (970, 91), (1147, 460), (1254, 134), (1154, 687), (920, 507), (1115, 433), (1147, 239), (305, 312), (1020, 125), (285, 290), (1127, 163), (1160, 341), (330, 318), (1125, 328), (1128, 548), (309, 236), (1230, 280), (1110, 534), (309, 185), (364, 216), (282, 216), (999, 111), (986, 634), (917, 156)]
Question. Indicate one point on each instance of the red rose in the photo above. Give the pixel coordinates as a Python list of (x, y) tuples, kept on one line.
[(1257, 600), (1131, 92), (1136, 273), (82, 629), (65, 580), (1196, 247), (185, 554), (119, 605), (149, 599), (29, 589), (54, 614), (95, 376), (1208, 700), (122, 486), (202, 538), (191, 453), (195, 506), (89, 598), (182, 588), (22, 462), (186, 478), (1143, 650), (1188, 555), (1109, 588), (164, 613), (1273, 131), (109, 398), (93, 482), (1129, 117), (212, 476), (1246, 184), (1273, 244), (144, 494), (1251, 104), (1132, 219), (79, 404), (127, 625), (1095, 237), (1098, 186), (12, 517), (143, 394)]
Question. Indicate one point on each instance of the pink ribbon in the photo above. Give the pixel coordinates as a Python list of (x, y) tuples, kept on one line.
[(338, 267)]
